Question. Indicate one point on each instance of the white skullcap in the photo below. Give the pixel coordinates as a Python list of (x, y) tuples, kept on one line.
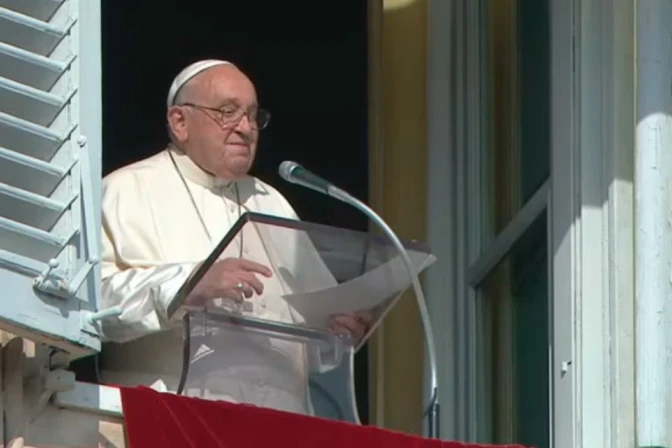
[(189, 72)]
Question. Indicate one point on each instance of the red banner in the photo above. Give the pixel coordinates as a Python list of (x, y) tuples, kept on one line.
[(155, 419)]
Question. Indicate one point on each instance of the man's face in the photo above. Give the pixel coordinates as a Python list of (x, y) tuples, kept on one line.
[(216, 121)]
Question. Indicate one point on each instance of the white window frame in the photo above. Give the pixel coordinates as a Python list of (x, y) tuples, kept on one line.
[(455, 96), (592, 208), (447, 292), (591, 242), (483, 258), (455, 132)]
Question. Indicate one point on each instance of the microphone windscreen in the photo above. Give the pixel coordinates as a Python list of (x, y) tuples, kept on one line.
[(285, 169)]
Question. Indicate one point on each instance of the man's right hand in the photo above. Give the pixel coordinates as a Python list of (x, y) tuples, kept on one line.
[(230, 278)]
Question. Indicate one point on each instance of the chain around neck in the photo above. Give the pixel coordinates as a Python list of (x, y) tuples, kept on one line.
[(198, 212)]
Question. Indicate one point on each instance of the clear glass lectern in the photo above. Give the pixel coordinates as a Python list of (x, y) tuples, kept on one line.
[(289, 347)]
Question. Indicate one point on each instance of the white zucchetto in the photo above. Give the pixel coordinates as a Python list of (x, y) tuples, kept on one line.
[(189, 72)]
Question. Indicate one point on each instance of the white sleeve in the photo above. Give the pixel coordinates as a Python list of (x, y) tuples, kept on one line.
[(134, 279), (142, 295)]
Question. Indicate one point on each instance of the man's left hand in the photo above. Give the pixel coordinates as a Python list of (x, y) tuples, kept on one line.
[(354, 325)]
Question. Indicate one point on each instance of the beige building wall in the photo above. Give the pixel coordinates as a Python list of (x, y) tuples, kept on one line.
[(398, 170)]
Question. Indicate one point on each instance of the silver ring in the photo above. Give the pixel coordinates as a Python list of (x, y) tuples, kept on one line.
[(240, 286)]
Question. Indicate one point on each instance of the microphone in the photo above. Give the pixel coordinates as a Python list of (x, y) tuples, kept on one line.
[(294, 173)]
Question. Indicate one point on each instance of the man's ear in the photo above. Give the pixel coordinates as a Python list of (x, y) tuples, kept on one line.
[(177, 123)]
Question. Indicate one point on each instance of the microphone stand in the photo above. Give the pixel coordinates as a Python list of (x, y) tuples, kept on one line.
[(433, 408)]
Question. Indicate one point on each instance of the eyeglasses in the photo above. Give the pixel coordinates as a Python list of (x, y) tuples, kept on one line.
[(231, 115)]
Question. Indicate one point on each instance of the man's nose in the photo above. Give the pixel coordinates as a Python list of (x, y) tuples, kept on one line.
[(244, 125)]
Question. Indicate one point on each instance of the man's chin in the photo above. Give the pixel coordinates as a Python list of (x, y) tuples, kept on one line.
[(241, 166)]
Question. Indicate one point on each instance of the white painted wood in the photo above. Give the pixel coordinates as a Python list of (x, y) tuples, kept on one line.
[(91, 398), (453, 135), (592, 227), (441, 210), (496, 250), (13, 395), (653, 187), (50, 170)]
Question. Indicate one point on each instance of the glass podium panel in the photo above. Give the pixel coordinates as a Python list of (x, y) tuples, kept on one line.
[(280, 347)]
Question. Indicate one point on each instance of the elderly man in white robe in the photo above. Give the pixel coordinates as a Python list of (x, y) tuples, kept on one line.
[(164, 215)]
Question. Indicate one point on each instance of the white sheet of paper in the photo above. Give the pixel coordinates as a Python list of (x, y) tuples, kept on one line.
[(361, 293)]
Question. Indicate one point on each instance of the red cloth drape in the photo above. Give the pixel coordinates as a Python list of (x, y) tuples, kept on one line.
[(155, 419)]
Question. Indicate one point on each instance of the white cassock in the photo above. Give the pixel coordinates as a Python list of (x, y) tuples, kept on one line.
[(162, 216)]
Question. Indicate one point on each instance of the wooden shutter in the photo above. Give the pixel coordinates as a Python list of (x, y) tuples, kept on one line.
[(50, 170)]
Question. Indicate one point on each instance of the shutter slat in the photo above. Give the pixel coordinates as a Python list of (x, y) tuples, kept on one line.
[(30, 208), (19, 263), (31, 104), (28, 173), (29, 68), (39, 9), (30, 139), (30, 34), (34, 129), (28, 241)]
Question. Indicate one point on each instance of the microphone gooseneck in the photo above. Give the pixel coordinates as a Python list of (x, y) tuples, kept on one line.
[(294, 173)]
